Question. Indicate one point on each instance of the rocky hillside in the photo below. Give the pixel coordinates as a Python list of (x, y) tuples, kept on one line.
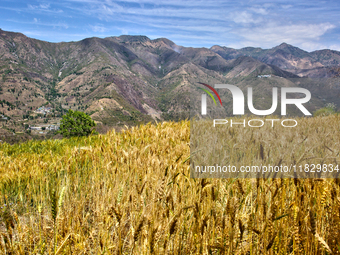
[(132, 79), (288, 58)]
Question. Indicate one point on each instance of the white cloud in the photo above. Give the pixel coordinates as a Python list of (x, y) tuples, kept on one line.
[(42, 8), (61, 24), (124, 31), (116, 10), (98, 28), (311, 46), (333, 47), (45, 6), (179, 3), (38, 22), (33, 33), (54, 36), (242, 17), (259, 10), (273, 34), (286, 6)]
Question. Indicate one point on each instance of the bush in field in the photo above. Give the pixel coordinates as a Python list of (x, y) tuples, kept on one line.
[(76, 123), (325, 111)]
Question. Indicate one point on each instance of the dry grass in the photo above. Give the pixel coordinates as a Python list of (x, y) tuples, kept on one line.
[(131, 193)]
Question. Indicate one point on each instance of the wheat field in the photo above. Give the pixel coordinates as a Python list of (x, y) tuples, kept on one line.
[(131, 193)]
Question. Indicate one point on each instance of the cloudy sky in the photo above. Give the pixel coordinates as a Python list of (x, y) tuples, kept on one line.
[(310, 25)]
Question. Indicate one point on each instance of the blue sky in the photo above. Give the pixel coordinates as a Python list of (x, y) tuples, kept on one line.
[(310, 25)]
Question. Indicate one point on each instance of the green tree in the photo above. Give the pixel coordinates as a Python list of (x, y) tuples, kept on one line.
[(76, 123)]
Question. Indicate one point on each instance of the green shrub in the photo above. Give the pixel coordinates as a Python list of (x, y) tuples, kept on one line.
[(76, 123), (325, 111)]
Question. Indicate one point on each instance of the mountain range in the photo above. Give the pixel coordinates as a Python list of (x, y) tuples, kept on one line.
[(127, 80)]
